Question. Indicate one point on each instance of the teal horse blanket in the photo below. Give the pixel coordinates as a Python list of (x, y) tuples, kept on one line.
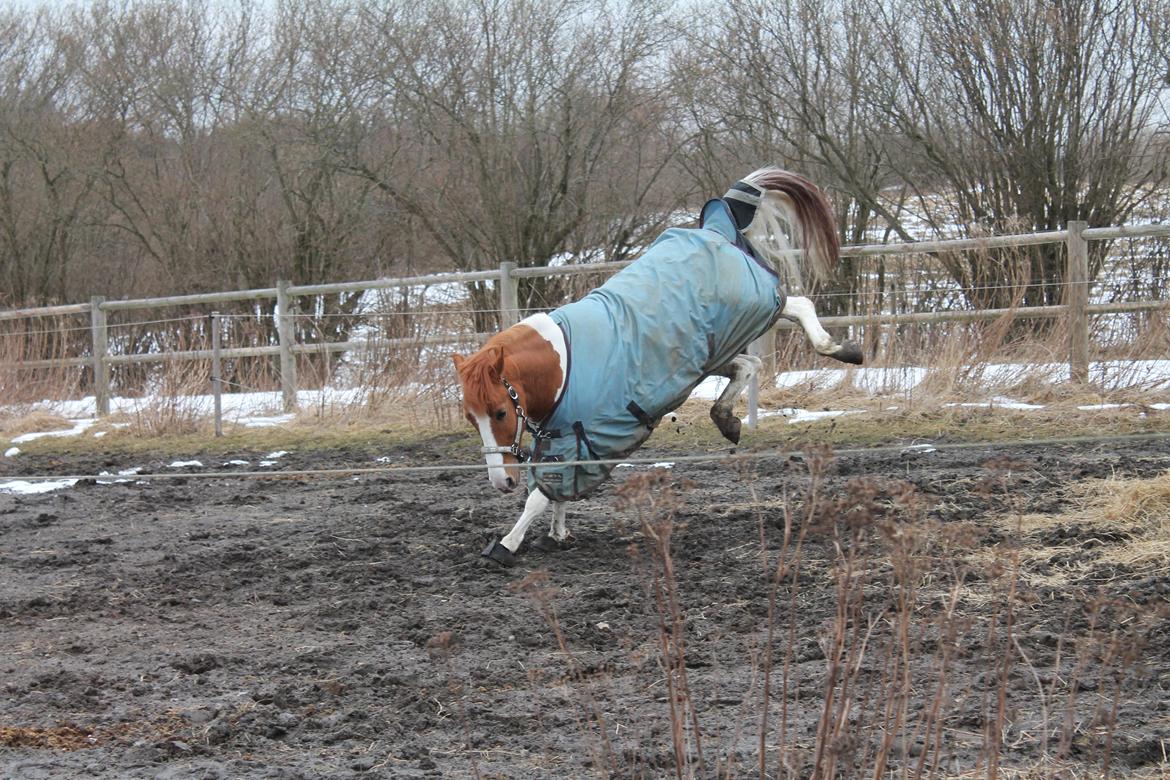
[(639, 344)]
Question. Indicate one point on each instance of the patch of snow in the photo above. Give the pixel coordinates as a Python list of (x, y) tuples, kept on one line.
[(710, 388), (12, 452), (267, 463), (123, 473), (182, 464), (804, 415), (23, 487), (266, 422), (997, 402), (919, 449), (277, 454), (79, 427), (807, 416), (100, 434), (236, 462), (666, 464)]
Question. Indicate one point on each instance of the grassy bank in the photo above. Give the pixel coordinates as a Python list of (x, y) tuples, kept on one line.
[(864, 425)]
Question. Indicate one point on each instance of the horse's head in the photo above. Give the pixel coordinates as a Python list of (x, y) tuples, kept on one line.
[(492, 412)]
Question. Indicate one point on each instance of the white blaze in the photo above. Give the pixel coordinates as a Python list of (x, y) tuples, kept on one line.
[(495, 460)]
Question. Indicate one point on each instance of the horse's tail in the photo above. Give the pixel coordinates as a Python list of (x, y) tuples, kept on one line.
[(793, 214)]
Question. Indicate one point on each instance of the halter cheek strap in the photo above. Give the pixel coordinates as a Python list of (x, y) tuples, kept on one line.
[(515, 449)]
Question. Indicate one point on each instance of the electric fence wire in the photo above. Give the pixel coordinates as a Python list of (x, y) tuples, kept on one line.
[(728, 458)]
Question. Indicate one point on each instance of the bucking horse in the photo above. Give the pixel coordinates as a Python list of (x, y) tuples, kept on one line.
[(590, 380)]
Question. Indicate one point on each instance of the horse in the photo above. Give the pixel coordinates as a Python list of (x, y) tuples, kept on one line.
[(591, 380)]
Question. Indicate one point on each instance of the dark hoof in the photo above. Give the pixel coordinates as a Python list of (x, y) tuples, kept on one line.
[(499, 553), (729, 425), (849, 352), (548, 544)]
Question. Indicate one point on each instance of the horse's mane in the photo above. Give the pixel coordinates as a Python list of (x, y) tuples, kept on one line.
[(793, 214), (478, 373)]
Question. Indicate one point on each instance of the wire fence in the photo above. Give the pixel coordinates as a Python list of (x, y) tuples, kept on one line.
[(660, 461), (396, 333)]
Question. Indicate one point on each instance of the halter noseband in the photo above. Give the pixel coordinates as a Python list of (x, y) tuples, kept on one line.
[(515, 449)]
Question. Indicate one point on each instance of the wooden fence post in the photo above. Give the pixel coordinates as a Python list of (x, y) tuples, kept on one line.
[(286, 332), (216, 382), (101, 346), (509, 295), (1076, 280)]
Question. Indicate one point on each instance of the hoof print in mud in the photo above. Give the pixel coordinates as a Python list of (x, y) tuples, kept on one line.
[(499, 553)]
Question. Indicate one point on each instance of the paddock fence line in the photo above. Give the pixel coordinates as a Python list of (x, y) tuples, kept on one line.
[(725, 458), (1076, 308)]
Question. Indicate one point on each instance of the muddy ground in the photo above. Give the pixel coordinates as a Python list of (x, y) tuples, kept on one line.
[(337, 627)]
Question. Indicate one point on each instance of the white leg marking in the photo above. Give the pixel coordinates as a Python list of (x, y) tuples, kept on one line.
[(801, 310), (537, 502), (559, 531), (740, 371), (495, 461)]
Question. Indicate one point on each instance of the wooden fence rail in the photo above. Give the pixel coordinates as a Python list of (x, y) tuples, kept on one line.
[(1076, 306)]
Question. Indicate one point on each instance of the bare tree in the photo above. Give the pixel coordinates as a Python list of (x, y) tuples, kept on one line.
[(792, 77), (960, 115), (46, 175), (522, 129), (1024, 116)]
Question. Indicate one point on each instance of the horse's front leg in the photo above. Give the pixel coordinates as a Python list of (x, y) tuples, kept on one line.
[(504, 550), (802, 311), (740, 371)]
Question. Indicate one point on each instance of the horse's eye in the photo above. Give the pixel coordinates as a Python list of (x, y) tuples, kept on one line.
[(501, 414)]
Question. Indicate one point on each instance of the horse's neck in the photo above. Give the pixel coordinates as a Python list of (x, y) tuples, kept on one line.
[(536, 360)]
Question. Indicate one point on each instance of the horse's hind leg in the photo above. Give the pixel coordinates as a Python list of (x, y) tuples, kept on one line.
[(558, 532), (740, 371), (802, 311)]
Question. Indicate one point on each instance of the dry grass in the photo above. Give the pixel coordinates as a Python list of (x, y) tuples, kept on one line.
[(1113, 523), (32, 422), (164, 427)]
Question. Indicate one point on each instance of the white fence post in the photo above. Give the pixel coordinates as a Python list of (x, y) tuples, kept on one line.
[(216, 382), (1076, 296), (286, 332), (753, 393), (101, 347), (509, 295)]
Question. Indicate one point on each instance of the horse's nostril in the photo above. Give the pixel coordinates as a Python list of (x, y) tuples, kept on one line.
[(511, 482)]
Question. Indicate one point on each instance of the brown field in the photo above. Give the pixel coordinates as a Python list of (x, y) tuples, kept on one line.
[(966, 612)]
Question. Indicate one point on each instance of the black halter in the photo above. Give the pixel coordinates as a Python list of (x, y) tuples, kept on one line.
[(522, 453)]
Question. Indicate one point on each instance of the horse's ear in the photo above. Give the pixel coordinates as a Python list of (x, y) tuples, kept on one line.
[(458, 360), (497, 361)]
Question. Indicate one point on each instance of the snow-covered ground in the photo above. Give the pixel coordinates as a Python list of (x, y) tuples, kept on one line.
[(264, 409)]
